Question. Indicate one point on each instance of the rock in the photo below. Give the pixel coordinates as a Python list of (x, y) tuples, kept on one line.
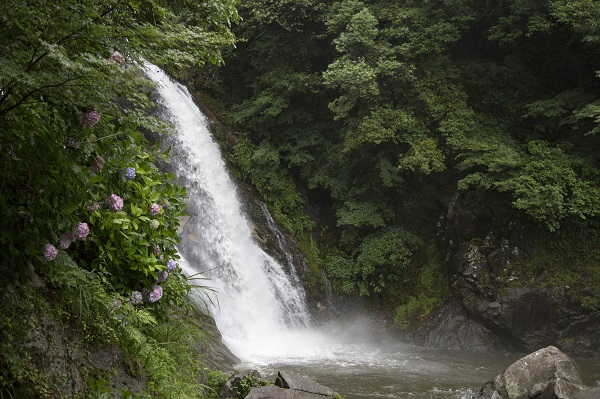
[(451, 328), (489, 254), (591, 393), (272, 392), (233, 385), (545, 374), (290, 385), (289, 380)]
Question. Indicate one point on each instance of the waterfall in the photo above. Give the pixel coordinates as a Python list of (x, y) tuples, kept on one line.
[(254, 299)]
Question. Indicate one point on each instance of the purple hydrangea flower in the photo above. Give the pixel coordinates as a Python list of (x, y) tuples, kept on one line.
[(89, 118), (82, 231), (66, 240), (155, 294), (50, 252), (115, 203), (117, 57), (154, 224), (136, 297), (171, 265), (98, 164), (155, 249), (129, 173), (162, 276), (154, 209)]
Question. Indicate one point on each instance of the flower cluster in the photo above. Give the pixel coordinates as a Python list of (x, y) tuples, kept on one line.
[(82, 231), (89, 118), (98, 164), (155, 294), (171, 265), (136, 297), (154, 209), (50, 252), (162, 276), (154, 224), (129, 173), (115, 203), (117, 57)]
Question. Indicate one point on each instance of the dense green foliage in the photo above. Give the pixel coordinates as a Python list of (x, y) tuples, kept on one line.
[(75, 309), (383, 110), (79, 182)]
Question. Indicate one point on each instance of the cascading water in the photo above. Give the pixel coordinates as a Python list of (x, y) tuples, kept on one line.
[(254, 298), (260, 310)]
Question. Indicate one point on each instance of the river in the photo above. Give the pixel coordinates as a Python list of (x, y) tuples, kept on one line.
[(260, 307)]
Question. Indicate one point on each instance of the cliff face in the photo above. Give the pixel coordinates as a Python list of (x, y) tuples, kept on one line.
[(513, 286)]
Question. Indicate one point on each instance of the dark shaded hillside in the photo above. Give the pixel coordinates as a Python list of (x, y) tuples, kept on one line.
[(379, 113)]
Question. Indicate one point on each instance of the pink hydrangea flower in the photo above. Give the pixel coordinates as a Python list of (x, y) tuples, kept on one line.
[(89, 118), (155, 294), (50, 253), (82, 231), (154, 209), (117, 57), (66, 240), (115, 203)]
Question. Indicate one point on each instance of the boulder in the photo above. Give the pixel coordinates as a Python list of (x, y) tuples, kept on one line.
[(293, 381), (289, 385), (273, 392), (591, 393), (234, 384), (545, 374)]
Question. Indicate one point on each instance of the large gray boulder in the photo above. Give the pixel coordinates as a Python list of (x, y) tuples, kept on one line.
[(289, 385), (273, 392), (591, 393), (545, 374)]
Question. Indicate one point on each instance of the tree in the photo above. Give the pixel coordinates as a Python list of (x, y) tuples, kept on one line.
[(70, 110)]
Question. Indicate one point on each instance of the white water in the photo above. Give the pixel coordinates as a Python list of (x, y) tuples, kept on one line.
[(261, 311), (254, 298)]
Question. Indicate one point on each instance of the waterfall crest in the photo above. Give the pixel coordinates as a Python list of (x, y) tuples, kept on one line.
[(254, 298)]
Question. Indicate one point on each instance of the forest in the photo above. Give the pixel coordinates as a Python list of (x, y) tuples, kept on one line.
[(373, 115), (358, 122)]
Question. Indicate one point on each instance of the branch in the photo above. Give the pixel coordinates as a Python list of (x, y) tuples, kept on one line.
[(70, 36), (32, 92)]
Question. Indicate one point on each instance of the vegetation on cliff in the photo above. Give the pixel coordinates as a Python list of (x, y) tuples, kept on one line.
[(379, 112), (89, 223)]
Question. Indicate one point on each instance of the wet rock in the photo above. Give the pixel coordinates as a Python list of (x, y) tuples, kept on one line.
[(591, 393), (273, 392), (451, 328), (523, 311), (289, 385), (545, 374), (289, 380), (234, 385)]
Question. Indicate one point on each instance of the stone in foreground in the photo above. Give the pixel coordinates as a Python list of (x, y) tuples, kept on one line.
[(545, 374), (292, 386)]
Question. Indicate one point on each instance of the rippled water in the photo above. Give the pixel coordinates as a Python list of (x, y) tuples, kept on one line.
[(394, 370)]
